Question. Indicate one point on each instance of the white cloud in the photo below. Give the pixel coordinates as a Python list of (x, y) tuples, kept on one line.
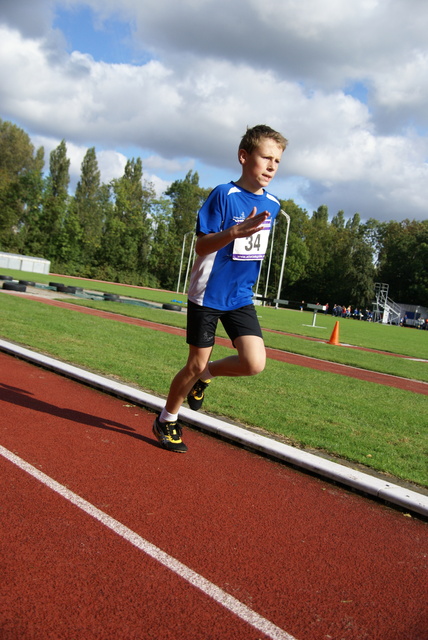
[(218, 67), (32, 17)]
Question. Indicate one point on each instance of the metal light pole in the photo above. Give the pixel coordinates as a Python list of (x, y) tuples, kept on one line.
[(283, 256), (270, 262), (188, 262), (181, 261)]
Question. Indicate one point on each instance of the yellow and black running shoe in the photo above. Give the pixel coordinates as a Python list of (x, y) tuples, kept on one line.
[(196, 395), (169, 435)]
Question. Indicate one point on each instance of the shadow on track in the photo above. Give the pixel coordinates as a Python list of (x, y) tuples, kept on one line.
[(23, 398)]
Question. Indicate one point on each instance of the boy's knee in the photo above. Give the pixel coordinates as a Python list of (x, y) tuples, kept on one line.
[(252, 355), (195, 366), (255, 366), (258, 369)]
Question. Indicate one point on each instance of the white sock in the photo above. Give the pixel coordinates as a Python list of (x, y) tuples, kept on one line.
[(165, 416)]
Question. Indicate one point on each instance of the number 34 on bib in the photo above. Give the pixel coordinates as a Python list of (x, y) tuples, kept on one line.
[(254, 247)]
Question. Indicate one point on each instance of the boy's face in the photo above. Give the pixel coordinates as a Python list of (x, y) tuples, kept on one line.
[(260, 166)]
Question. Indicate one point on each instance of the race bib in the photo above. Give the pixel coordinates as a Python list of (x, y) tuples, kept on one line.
[(254, 247)]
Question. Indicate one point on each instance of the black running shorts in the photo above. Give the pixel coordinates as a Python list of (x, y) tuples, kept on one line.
[(202, 324)]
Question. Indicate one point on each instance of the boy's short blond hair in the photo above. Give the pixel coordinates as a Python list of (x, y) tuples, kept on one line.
[(254, 135)]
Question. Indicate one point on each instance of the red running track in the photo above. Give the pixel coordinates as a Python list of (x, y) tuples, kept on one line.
[(313, 561)]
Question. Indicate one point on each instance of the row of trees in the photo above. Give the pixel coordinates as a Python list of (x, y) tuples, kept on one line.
[(122, 232)]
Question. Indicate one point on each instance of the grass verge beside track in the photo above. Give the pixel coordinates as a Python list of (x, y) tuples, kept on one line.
[(393, 339), (381, 362), (380, 427)]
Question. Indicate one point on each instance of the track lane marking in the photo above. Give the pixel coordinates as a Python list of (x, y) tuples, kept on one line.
[(183, 571)]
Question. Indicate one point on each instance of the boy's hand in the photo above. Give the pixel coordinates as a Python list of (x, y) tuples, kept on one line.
[(252, 224), (212, 242)]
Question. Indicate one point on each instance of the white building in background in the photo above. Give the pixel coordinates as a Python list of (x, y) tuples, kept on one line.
[(24, 263)]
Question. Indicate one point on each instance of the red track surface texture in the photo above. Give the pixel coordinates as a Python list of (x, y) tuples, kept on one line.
[(300, 558)]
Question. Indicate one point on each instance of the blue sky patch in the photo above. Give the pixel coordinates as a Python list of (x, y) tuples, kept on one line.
[(108, 41)]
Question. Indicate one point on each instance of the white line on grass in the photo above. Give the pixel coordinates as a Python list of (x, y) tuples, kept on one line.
[(211, 590)]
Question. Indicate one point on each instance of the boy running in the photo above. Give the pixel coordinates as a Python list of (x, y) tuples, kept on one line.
[(232, 235)]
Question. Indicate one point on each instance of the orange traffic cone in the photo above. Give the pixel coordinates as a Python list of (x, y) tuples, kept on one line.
[(334, 338)]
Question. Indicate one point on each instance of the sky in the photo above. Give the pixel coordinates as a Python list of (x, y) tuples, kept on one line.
[(177, 84)]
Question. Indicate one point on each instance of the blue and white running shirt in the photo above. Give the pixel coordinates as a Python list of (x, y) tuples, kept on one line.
[(224, 280)]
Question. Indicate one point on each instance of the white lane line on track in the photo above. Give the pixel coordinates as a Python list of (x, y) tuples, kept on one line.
[(211, 590)]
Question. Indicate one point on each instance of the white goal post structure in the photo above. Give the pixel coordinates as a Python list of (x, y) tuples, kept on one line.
[(190, 261)]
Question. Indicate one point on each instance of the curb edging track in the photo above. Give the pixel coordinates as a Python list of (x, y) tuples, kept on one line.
[(354, 479)]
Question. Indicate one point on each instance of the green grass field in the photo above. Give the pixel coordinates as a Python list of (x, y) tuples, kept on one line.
[(380, 427)]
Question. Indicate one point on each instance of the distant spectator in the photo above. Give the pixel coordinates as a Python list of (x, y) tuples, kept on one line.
[(403, 321)]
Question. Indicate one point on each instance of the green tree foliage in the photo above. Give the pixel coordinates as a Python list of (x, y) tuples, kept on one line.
[(19, 172), (88, 208), (163, 256), (317, 235), (186, 198), (126, 240), (360, 271), (403, 260), (336, 264), (32, 190), (16, 153), (55, 207)]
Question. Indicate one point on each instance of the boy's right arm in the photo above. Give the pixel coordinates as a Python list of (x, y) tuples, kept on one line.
[(212, 242)]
